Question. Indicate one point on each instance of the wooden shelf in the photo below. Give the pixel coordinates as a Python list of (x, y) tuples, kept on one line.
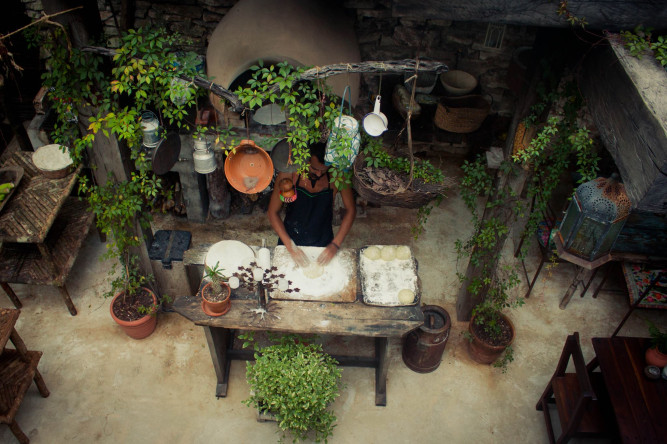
[(16, 374), (23, 263)]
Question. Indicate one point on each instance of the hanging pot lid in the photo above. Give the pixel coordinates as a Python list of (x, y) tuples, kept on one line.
[(280, 158), (166, 154)]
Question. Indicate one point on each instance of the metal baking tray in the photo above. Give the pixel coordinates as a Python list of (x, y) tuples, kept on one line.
[(382, 280)]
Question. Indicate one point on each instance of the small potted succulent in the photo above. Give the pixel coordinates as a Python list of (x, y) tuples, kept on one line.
[(657, 353), (216, 293)]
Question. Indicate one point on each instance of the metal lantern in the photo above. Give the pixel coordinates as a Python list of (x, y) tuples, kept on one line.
[(594, 218)]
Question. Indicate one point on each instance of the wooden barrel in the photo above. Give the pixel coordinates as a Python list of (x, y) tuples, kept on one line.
[(423, 348)]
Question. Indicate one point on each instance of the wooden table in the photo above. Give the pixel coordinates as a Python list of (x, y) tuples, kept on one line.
[(42, 230), (306, 317), (639, 403)]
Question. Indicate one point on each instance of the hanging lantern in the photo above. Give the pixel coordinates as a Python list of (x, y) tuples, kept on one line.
[(594, 219), (150, 127), (203, 157)]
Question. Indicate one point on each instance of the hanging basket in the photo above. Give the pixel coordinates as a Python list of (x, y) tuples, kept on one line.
[(461, 114), (419, 194)]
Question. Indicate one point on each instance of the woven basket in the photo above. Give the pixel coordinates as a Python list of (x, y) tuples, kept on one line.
[(461, 114), (419, 194)]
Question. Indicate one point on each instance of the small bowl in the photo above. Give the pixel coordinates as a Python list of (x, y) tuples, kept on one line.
[(458, 83)]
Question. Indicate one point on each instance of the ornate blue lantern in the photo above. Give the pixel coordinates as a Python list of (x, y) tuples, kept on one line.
[(594, 219)]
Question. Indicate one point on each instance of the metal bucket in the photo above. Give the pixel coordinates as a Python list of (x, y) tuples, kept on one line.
[(423, 348)]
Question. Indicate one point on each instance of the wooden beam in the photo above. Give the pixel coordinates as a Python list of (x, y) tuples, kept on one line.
[(600, 14), (390, 66)]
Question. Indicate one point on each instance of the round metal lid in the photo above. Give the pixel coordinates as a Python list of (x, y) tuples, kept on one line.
[(166, 154), (280, 156)]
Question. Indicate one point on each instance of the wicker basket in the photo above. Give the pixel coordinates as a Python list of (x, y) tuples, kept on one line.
[(419, 194), (461, 114)]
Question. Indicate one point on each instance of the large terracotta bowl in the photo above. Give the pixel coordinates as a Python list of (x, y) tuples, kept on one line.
[(249, 168)]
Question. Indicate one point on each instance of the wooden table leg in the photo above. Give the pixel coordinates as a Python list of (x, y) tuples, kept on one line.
[(68, 300), (218, 339), (381, 350), (573, 287), (23, 350), (15, 300)]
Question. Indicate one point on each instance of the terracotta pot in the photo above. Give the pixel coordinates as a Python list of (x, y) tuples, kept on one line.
[(216, 308), (483, 352), (141, 328), (654, 357)]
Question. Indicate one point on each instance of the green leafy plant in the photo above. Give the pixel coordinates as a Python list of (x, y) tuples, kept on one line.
[(311, 111), (146, 73), (559, 144), (640, 41), (376, 156), (658, 338), (297, 382)]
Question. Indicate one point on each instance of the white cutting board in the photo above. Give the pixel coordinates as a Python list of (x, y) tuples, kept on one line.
[(338, 282)]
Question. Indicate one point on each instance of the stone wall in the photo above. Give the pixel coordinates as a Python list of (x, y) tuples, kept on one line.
[(381, 35)]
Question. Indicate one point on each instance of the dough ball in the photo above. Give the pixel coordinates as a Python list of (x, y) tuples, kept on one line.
[(313, 271), (388, 253), (234, 282), (372, 253), (406, 296), (403, 253)]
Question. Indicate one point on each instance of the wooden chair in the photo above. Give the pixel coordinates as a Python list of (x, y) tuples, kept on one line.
[(580, 398)]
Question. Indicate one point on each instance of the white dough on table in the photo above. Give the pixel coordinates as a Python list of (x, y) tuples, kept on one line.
[(403, 253), (372, 253), (388, 253)]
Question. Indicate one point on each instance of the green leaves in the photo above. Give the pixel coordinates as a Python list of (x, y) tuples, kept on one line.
[(296, 381)]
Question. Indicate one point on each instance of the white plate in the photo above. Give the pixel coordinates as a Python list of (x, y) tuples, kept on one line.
[(229, 255)]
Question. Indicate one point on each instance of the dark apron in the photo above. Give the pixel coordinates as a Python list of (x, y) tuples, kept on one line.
[(308, 220)]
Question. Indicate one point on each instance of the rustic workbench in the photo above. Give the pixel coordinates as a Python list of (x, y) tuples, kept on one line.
[(42, 230), (305, 317)]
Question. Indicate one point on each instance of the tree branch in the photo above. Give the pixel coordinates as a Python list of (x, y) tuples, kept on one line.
[(393, 66), (44, 18)]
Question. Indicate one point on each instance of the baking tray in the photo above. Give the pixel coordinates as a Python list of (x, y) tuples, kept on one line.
[(382, 280), (10, 174)]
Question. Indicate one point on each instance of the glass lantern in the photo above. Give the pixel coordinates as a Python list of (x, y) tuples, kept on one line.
[(594, 218)]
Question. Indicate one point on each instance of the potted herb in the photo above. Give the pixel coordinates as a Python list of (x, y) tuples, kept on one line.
[(657, 353), (296, 382), (216, 294)]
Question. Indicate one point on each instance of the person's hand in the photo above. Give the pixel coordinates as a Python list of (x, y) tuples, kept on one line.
[(327, 254), (299, 257)]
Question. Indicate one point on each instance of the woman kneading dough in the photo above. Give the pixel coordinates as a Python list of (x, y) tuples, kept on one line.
[(309, 217)]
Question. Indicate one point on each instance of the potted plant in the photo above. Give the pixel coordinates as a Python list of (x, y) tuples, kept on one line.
[(94, 101), (490, 331), (134, 306), (657, 353), (296, 382), (216, 293)]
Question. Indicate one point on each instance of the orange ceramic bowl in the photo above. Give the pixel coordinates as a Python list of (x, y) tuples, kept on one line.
[(249, 168)]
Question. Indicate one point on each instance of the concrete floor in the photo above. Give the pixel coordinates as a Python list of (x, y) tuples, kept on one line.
[(106, 387)]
